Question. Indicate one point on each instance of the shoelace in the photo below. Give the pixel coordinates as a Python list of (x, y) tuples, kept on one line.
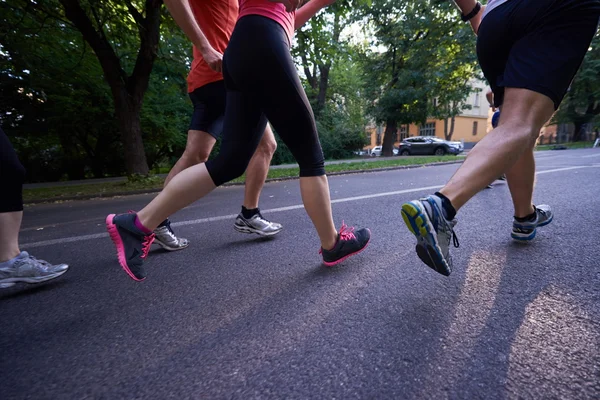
[(42, 264), (146, 243), (346, 233), (170, 232), (447, 224)]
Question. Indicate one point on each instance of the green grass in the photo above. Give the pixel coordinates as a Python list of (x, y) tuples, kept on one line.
[(93, 189), (156, 182), (575, 145)]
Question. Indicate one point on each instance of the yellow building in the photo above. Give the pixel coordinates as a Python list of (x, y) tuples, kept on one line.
[(469, 127)]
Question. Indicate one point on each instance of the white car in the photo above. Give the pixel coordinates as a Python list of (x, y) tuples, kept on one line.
[(376, 151)]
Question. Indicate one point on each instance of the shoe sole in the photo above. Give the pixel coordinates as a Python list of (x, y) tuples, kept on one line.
[(8, 282), (336, 262), (116, 239), (427, 247), (247, 229), (532, 235)]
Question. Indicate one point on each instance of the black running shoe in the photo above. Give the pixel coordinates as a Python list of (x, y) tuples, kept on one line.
[(349, 243), (131, 243)]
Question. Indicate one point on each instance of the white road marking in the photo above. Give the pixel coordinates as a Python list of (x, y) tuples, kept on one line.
[(272, 210), (592, 155), (561, 169)]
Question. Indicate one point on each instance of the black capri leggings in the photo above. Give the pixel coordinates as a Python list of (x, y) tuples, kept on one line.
[(262, 84), (12, 176)]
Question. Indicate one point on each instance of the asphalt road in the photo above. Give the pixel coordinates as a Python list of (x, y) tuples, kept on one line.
[(236, 317)]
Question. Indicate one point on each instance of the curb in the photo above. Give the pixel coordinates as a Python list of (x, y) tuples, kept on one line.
[(289, 178)]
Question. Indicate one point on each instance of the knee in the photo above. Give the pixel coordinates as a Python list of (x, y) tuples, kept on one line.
[(267, 147), (313, 165), (521, 129), (193, 156), (223, 170)]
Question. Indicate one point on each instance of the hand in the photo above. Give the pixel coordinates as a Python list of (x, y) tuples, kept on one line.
[(290, 5), (213, 58)]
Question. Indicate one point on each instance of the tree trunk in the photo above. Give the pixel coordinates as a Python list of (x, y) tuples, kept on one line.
[(128, 91), (578, 132), (323, 86), (448, 134), (391, 130), (127, 111)]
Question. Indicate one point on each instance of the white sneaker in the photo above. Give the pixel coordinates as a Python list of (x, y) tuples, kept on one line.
[(29, 269)]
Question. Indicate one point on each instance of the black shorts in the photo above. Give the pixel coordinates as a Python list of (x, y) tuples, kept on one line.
[(536, 44), (209, 108), (12, 176)]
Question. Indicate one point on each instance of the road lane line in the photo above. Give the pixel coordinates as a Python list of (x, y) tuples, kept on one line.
[(272, 210), (593, 155), (561, 169)]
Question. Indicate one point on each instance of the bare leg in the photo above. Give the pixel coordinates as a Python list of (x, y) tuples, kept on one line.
[(197, 149), (523, 114), (521, 179), (186, 187), (257, 170), (10, 224), (317, 203)]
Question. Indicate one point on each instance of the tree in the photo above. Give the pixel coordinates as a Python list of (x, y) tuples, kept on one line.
[(416, 61), (581, 105), (319, 48), (55, 89), (110, 28)]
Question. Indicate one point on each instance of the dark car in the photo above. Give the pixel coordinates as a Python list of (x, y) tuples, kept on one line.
[(428, 145)]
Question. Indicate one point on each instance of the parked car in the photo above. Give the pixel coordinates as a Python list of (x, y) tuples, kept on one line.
[(429, 145), (376, 151)]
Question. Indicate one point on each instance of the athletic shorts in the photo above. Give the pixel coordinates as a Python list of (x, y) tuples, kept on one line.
[(536, 45), (12, 176), (209, 108)]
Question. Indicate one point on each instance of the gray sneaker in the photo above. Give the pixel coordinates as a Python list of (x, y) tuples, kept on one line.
[(165, 238), (257, 224), (29, 269), (424, 218), (525, 231)]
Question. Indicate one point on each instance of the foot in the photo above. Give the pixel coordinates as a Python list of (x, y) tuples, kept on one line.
[(257, 224), (165, 238), (349, 243), (425, 219), (28, 269), (525, 231), (132, 244)]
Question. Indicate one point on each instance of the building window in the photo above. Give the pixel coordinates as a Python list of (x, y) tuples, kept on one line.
[(379, 133), (403, 132), (427, 129), (475, 123), (477, 99), (435, 102)]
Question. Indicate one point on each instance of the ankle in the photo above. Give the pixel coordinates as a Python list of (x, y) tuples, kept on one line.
[(141, 226), (330, 242), (527, 215), (249, 212), (9, 255), (447, 207)]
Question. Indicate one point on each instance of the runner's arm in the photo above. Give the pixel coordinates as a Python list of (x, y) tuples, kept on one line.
[(182, 14), (466, 6), (309, 10)]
